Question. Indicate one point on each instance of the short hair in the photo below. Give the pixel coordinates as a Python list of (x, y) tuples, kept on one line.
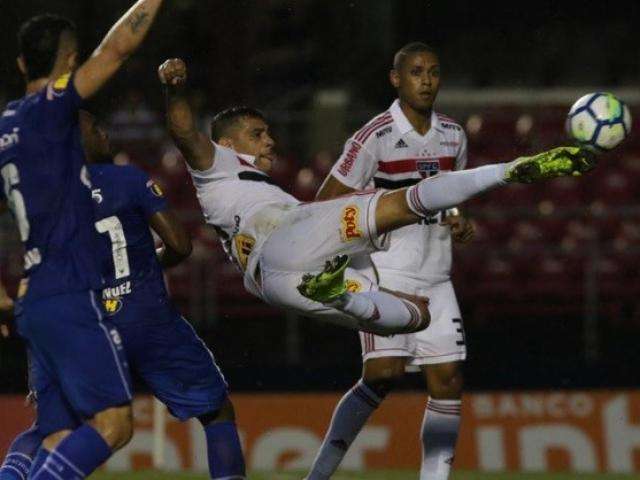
[(409, 49), (224, 120), (39, 40)]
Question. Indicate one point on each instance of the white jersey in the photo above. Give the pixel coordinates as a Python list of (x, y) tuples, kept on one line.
[(388, 153), (243, 204)]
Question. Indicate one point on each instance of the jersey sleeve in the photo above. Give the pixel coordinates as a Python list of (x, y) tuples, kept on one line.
[(149, 196), (61, 103), (356, 166), (461, 156)]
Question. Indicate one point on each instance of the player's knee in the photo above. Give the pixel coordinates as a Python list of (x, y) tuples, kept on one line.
[(226, 413), (382, 375), (383, 385), (115, 425), (446, 382), (52, 441)]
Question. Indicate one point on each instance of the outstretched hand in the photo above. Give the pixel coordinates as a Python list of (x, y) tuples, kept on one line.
[(173, 72)]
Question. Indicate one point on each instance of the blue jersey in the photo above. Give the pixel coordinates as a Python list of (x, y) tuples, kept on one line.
[(125, 198), (48, 190)]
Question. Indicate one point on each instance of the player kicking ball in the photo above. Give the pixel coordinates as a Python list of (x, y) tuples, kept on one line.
[(293, 254)]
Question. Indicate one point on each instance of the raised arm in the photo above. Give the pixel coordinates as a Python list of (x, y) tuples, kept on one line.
[(121, 41), (196, 147), (332, 188), (177, 243)]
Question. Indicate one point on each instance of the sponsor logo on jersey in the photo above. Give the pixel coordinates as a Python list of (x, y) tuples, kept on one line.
[(62, 82), (451, 126), (353, 286), (349, 225), (449, 144), (9, 140), (112, 306), (244, 246), (155, 188), (57, 88), (349, 159), (401, 144), (383, 132), (427, 168), (118, 291)]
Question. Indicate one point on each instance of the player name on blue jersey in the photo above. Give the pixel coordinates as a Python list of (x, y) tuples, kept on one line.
[(125, 198)]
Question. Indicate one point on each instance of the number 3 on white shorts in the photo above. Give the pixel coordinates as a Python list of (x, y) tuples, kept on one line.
[(460, 330)]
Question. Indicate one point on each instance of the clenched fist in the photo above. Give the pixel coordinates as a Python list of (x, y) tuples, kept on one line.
[(173, 72)]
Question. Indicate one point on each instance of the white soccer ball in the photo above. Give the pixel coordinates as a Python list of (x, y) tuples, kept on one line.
[(599, 121)]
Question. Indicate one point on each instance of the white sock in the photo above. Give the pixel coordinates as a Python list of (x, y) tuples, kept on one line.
[(450, 189), (380, 312), (439, 436), (350, 415)]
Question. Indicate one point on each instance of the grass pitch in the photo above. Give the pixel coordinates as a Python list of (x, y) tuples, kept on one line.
[(372, 475)]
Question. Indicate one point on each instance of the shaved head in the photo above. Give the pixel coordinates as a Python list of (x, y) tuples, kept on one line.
[(408, 50)]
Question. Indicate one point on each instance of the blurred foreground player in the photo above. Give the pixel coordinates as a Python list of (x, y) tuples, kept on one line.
[(282, 245), (161, 347), (76, 352), (400, 147)]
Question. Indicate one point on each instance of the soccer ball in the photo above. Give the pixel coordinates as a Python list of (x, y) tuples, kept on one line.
[(599, 121)]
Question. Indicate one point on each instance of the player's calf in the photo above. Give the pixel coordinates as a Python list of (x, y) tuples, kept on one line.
[(385, 313), (115, 426), (17, 463), (224, 450), (378, 312)]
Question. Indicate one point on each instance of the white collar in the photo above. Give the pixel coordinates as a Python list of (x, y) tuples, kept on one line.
[(404, 125), (247, 158)]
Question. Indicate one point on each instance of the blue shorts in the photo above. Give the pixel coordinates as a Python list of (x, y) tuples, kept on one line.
[(165, 351), (78, 363)]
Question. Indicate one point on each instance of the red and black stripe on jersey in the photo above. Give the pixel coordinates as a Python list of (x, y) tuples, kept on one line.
[(396, 171)]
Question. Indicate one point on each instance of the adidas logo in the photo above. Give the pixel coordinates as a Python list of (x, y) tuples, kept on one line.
[(401, 144)]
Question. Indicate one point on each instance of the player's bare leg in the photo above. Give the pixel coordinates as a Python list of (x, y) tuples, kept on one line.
[(441, 421), (379, 377)]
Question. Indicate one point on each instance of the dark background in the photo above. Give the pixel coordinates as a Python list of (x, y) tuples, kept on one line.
[(575, 324)]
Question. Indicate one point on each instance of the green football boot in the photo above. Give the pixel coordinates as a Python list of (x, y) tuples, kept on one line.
[(558, 162), (328, 284)]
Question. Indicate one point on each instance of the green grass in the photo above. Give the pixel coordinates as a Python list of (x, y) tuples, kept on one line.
[(372, 475)]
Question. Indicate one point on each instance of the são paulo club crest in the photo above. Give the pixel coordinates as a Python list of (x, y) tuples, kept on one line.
[(427, 168)]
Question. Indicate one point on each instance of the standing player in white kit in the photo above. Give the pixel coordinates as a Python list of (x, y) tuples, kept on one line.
[(282, 244), (398, 148)]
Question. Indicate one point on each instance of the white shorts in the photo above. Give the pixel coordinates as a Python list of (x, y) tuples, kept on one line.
[(442, 342), (309, 236)]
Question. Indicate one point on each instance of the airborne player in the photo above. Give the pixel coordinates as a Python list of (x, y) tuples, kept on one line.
[(282, 245)]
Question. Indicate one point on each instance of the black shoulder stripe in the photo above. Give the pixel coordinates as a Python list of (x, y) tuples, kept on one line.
[(256, 177)]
